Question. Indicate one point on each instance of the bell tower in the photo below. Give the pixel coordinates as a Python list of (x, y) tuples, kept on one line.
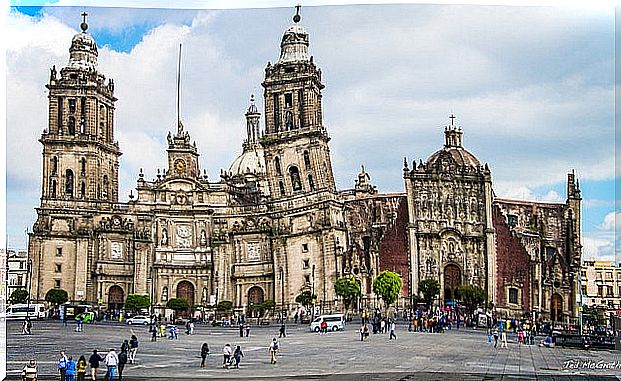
[(80, 156), (295, 140)]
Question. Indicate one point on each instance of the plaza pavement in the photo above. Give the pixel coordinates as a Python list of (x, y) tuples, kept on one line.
[(454, 355)]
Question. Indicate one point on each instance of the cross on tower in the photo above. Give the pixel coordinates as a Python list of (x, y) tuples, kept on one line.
[(297, 16), (84, 25), (452, 118)]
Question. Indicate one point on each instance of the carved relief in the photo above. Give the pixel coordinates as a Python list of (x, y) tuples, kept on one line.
[(184, 236)]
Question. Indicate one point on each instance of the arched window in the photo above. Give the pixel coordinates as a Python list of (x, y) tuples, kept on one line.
[(54, 165), (71, 125), (306, 160), (69, 183), (52, 188), (311, 183), (281, 186), (83, 190), (294, 174), (105, 186), (83, 166), (277, 165)]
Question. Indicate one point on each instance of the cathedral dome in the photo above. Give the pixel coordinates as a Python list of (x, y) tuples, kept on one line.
[(251, 161), (294, 44), (453, 146), (461, 156), (83, 51)]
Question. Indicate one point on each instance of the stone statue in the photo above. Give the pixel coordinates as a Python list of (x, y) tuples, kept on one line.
[(53, 73), (203, 238), (164, 237)]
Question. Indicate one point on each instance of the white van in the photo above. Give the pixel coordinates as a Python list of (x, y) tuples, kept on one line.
[(335, 322), (20, 311)]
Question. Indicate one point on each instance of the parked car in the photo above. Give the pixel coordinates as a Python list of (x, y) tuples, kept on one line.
[(139, 319), (335, 322)]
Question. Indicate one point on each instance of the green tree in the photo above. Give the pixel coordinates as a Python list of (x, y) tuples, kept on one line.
[(178, 304), (430, 288), (347, 287), (471, 296), (225, 306), (19, 296), (56, 296), (305, 298), (388, 286), (136, 302)]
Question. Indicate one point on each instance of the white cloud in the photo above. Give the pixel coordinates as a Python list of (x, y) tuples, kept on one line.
[(612, 221), (598, 248), (531, 104)]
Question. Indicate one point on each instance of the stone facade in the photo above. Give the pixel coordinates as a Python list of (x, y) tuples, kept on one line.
[(601, 284), (274, 224)]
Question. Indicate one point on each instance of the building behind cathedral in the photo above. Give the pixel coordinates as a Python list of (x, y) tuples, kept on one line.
[(274, 225)]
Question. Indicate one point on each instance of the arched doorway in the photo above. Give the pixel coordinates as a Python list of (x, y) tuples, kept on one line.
[(556, 308), (116, 298), (452, 280), (255, 296), (185, 290)]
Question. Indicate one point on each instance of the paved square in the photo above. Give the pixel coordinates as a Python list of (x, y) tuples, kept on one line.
[(463, 354)]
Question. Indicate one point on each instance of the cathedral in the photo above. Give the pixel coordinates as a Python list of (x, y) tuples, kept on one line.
[(274, 224)]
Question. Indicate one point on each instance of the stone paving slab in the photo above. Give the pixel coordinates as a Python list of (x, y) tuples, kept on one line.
[(454, 355)]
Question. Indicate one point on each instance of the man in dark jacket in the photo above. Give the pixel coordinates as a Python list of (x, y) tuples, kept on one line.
[(122, 362), (94, 361)]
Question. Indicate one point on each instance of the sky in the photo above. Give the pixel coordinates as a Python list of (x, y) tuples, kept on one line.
[(532, 88)]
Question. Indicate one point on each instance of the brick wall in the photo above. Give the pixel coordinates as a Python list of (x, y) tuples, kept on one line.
[(513, 263)]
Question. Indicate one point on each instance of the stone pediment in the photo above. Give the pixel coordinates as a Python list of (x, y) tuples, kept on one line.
[(181, 184)]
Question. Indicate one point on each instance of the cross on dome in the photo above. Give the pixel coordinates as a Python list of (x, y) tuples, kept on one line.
[(84, 25), (297, 17)]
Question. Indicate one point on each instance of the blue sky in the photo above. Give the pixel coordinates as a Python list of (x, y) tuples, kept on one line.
[(532, 87)]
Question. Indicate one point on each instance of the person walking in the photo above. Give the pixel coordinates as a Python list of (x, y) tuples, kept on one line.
[(383, 326), (241, 330), (111, 360), (227, 352), (94, 361), (273, 349), (122, 362), (393, 327), (153, 331), (29, 373), (70, 371), (247, 326), (204, 353), (237, 355), (125, 346), (62, 365), (133, 348), (282, 331), (81, 368), (503, 339)]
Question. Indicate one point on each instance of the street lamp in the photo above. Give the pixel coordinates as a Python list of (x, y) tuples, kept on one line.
[(313, 293), (282, 294), (29, 270)]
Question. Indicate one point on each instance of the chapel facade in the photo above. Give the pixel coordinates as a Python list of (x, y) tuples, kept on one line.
[(274, 224)]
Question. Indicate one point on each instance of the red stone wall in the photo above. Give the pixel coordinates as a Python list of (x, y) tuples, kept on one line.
[(394, 247), (512, 261)]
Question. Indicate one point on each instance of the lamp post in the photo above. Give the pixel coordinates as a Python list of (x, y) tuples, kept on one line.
[(29, 279), (313, 294), (282, 294)]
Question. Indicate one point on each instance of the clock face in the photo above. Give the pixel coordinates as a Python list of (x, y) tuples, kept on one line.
[(179, 164)]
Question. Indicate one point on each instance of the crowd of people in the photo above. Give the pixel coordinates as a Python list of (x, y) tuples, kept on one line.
[(71, 370)]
